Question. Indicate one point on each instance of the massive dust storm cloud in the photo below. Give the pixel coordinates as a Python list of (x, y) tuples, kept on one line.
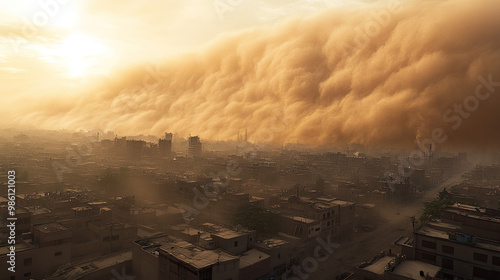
[(382, 75)]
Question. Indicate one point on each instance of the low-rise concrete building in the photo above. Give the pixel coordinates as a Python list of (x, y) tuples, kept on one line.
[(183, 260)]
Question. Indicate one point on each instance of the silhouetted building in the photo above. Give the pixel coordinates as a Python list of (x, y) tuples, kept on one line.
[(194, 148), (135, 148), (165, 145), (120, 143)]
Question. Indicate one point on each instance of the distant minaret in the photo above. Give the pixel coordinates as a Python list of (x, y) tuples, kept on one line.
[(246, 135), (97, 137), (430, 152)]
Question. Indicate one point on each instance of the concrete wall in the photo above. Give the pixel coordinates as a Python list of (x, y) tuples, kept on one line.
[(44, 261)]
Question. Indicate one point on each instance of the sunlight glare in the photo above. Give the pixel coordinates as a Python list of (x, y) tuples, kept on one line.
[(81, 53)]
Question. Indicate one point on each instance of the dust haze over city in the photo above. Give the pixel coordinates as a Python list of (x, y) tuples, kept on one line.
[(233, 139)]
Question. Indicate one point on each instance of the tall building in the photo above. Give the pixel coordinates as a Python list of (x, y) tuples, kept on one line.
[(135, 148), (165, 145), (194, 148)]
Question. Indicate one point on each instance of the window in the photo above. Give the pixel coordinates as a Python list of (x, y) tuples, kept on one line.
[(448, 250), (57, 253), (481, 273), (13, 278), (495, 274), (429, 258), (428, 244), (279, 256), (235, 243), (28, 261), (447, 263), (495, 261), (480, 257), (27, 274)]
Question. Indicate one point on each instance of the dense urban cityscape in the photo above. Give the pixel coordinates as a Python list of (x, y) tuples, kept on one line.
[(90, 205), (250, 140)]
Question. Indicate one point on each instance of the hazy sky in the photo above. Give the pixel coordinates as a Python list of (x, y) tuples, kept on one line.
[(61, 47), (75, 39), (319, 72)]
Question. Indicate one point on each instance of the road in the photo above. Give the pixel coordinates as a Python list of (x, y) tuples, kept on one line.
[(365, 245)]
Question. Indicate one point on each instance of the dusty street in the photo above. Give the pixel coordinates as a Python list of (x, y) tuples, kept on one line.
[(366, 245)]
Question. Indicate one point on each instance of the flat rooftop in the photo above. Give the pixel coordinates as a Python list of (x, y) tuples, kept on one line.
[(185, 229), (272, 242), (97, 203), (325, 199), (194, 256), (252, 257), (471, 211), (37, 210), (411, 269), (51, 227), (342, 202), (378, 267), (82, 208), (441, 230), (404, 241), (366, 205), (91, 266), (301, 219), (153, 244), (114, 225), (323, 206), (229, 234)]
